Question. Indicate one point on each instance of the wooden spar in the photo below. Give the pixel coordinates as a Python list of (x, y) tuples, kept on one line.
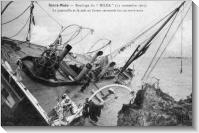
[(148, 43)]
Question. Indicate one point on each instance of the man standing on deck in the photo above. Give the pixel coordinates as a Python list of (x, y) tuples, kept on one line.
[(92, 110)]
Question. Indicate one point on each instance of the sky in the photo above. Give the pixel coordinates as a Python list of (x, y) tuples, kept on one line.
[(119, 27)]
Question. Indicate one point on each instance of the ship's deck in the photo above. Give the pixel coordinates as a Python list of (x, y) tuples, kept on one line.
[(46, 95)]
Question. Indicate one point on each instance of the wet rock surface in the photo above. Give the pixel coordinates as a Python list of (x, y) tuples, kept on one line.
[(152, 107)]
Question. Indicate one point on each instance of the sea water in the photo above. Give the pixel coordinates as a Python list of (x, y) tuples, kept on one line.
[(176, 84), (171, 81)]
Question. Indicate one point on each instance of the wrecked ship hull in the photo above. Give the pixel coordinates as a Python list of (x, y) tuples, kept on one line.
[(45, 96), (162, 110)]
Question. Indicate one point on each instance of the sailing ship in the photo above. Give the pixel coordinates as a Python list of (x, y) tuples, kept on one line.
[(38, 80)]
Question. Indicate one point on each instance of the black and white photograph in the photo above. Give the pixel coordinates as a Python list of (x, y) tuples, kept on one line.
[(96, 63)]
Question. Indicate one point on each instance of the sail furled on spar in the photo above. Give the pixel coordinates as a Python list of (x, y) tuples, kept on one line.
[(31, 22)]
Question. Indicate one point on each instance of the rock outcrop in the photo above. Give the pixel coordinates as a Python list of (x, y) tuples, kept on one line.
[(152, 107)]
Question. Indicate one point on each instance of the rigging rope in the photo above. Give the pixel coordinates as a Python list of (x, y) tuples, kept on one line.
[(139, 52), (17, 16), (162, 42), (65, 28), (96, 43), (98, 49), (74, 35), (6, 7), (81, 38), (50, 16), (130, 60), (181, 39), (21, 28), (169, 41), (142, 33)]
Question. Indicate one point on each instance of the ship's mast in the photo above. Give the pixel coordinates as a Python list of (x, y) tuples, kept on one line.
[(140, 51)]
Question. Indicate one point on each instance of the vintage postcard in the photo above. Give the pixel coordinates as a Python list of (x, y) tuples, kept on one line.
[(96, 63)]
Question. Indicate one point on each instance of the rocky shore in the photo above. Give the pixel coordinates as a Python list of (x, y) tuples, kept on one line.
[(152, 107)]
